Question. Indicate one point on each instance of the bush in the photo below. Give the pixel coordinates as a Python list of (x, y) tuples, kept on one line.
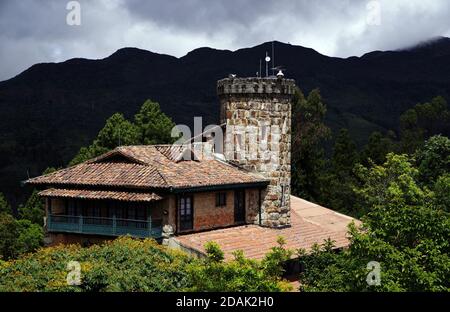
[(18, 237), (127, 264), (240, 274)]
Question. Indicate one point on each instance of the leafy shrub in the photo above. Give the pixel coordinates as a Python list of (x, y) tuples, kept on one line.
[(239, 274), (18, 236), (127, 264)]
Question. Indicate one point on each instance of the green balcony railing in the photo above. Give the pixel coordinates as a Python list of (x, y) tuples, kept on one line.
[(104, 226)]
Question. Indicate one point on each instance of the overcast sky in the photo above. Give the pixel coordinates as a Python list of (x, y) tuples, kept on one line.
[(34, 31)]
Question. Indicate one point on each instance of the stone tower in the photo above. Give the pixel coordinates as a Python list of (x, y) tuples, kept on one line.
[(257, 115)]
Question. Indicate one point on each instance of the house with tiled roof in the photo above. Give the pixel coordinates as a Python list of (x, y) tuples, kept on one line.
[(236, 192)]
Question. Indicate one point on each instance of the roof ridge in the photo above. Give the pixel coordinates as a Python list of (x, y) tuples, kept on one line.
[(162, 177), (118, 150)]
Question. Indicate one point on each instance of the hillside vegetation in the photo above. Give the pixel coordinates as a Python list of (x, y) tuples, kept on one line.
[(50, 111)]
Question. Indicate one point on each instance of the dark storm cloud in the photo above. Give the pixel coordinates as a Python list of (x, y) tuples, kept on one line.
[(34, 31)]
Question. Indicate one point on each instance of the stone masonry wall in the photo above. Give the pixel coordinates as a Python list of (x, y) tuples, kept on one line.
[(257, 113)]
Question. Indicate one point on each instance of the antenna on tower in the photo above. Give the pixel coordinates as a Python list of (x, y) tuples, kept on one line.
[(267, 59), (273, 59)]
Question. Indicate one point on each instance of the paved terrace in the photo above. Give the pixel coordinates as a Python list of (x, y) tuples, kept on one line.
[(310, 223)]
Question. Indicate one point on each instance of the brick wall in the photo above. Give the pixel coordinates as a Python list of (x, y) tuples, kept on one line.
[(208, 216)]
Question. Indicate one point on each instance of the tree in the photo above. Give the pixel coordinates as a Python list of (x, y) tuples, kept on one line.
[(411, 135), (442, 192), (377, 148), (402, 230), (4, 205), (340, 180), (86, 153), (433, 116), (433, 159), (33, 210), (8, 236), (345, 154), (31, 236), (18, 236), (153, 126), (308, 132), (116, 132), (423, 121)]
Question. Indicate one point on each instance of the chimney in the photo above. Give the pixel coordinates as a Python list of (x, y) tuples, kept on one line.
[(257, 114)]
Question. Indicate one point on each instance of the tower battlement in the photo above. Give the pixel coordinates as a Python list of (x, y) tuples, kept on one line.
[(255, 86)]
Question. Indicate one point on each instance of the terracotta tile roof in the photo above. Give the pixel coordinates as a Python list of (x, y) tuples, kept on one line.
[(149, 166), (105, 174), (310, 223), (95, 194)]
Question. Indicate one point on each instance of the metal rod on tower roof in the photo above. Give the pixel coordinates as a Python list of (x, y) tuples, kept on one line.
[(273, 59), (267, 65)]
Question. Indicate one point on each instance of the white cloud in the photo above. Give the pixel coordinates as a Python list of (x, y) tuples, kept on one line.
[(33, 31)]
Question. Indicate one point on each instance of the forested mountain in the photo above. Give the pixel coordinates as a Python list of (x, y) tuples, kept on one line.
[(50, 110)]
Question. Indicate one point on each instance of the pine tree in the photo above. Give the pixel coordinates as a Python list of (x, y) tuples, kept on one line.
[(33, 210), (153, 126), (341, 179), (308, 133)]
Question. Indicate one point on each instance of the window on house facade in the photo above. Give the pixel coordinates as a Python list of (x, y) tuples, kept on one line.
[(185, 209), (221, 199)]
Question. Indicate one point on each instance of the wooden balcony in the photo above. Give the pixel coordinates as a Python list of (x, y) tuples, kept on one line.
[(104, 226)]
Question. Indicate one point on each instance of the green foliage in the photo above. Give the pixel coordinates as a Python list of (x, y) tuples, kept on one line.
[(345, 155), (274, 260), (33, 210), (411, 135), (433, 159), (213, 252), (442, 192), (402, 230), (4, 205), (8, 236), (121, 265), (308, 133), (127, 264), (423, 121), (87, 153), (49, 170), (18, 237), (239, 274), (117, 131), (154, 127), (31, 236), (377, 148), (151, 126), (340, 178)]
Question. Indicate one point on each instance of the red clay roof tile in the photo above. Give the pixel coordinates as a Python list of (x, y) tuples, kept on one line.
[(96, 194), (149, 166)]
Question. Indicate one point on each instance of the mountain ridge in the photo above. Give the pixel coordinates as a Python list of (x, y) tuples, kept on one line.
[(50, 110)]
